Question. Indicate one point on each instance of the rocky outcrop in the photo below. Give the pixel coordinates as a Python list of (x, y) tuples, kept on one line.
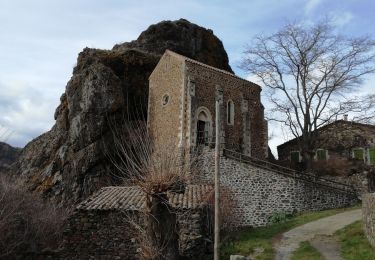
[(182, 37), (69, 162), (8, 155)]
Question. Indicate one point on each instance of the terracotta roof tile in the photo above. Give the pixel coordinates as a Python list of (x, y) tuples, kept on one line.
[(132, 198)]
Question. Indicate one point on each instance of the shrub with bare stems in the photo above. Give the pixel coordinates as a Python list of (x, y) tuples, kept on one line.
[(335, 166), (157, 171), (28, 225)]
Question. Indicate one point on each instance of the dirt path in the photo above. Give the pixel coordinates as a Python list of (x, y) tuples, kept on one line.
[(320, 230)]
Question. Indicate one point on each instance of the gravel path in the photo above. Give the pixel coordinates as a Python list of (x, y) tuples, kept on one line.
[(320, 230)]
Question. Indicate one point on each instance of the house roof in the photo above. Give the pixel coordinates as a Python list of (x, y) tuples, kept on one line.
[(132, 198), (330, 125)]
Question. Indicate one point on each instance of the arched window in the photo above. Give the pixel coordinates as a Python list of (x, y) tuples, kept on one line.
[(230, 112)]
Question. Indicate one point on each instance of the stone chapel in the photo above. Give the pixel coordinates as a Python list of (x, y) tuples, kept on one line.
[(181, 107)]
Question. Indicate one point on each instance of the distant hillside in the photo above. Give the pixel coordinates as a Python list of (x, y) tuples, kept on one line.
[(8, 155)]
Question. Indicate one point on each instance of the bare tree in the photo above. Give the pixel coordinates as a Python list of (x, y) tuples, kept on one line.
[(310, 74)]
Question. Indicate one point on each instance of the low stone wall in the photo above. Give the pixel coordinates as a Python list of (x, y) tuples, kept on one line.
[(368, 213), (107, 234), (256, 194), (99, 235)]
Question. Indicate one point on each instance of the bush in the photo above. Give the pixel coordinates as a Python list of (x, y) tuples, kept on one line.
[(333, 167), (28, 224)]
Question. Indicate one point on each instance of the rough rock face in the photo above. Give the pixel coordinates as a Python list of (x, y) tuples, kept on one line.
[(182, 37), (69, 162), (8, 155)]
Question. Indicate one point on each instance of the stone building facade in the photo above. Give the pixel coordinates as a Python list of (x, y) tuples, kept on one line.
[(181, 110), (340, 139)]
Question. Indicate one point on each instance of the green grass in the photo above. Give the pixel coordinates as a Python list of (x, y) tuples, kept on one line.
[(306, 252), (246, 241), (354, 244)]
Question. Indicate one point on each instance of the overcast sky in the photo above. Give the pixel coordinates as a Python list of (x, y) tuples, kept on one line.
[(40, 41)]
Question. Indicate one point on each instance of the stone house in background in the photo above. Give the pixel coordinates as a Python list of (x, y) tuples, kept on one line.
[(341, 139), (181, 107)]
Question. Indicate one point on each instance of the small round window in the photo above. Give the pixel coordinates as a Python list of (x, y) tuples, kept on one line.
[(165, 100)]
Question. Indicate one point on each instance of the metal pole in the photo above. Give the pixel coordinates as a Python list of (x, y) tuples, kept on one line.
[(217, 183)]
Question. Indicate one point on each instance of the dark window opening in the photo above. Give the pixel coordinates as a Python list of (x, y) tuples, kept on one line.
[(202, 134)]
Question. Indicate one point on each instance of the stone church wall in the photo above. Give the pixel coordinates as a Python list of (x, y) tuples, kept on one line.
[(368, 214), (247, 122), (256, 193), (164, 104)]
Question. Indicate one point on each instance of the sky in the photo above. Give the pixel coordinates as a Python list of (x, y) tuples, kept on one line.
[(40, 41)]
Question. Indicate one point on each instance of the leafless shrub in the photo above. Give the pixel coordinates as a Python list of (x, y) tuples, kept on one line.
[(138, 162), (335, 166), (227, 204), (157, 171), (27, 223)]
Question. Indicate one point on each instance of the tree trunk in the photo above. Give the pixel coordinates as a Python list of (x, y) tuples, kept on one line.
[(161, 229)]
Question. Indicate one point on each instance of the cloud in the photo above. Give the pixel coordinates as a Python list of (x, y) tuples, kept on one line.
[(368, 87), (254, 79), (341, 18), (311, 5), (26, 112)]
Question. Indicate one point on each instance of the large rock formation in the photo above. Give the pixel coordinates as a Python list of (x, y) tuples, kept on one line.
[(69, 162), (8, 155)]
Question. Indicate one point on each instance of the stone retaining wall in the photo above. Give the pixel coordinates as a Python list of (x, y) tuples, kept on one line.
[(368, 213), (256, 194)]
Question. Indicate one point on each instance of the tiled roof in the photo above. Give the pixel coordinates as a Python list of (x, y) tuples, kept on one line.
[(132, 198), (207, 66)]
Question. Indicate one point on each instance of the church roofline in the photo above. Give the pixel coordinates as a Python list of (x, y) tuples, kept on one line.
[(184, 58)]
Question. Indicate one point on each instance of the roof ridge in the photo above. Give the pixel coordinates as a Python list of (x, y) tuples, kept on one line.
[(175, 54)]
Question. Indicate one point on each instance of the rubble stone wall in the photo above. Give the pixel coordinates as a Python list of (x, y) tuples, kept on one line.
[(256, 193), (107, 234), (99, 235)]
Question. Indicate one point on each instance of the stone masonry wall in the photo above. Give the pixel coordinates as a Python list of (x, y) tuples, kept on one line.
[(256, 193), (368, 213), (107, 234), (164, 118), (238, 91), (99, 235)]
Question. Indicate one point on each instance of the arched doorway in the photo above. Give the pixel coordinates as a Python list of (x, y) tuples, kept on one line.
[(204, 126)]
